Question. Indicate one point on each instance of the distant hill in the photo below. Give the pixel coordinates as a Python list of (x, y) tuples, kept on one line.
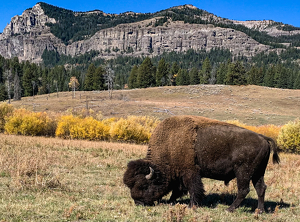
[(177, 29)]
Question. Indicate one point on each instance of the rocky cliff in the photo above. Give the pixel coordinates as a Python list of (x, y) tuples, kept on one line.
[(269, 26), (140, 38), (27, 36)]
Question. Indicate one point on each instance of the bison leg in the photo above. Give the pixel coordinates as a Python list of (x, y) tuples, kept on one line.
[(243, 190), (259, 184), (192, 180), (260, 188), (177, 193)]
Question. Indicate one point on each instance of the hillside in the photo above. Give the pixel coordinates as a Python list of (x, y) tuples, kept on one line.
[(253, 105), (176, 29)]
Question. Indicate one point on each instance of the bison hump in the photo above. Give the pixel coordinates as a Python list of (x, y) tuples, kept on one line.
[(173, 141)]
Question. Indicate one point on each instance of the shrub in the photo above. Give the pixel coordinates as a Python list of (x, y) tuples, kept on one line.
[(24, 122), (149, 123), (289, 137), (5, 111), (82, 128), (64, 125), (109, 121), (267, 130), (90, 129), (133, 129)]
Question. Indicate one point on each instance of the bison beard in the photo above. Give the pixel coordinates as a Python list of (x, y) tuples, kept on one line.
[(183, 149)]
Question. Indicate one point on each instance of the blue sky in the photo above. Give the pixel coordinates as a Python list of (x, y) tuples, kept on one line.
[(286, 11)]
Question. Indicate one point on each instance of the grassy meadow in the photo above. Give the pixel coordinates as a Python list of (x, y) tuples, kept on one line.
[(253, 105), (50, 179), (53, 179)]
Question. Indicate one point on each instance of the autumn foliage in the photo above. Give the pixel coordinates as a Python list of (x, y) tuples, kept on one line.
[(289, 137), (88, 125), (24, 122)]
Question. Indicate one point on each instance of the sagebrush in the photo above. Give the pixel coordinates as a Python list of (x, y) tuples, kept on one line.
[(289, 137), (88, 125)]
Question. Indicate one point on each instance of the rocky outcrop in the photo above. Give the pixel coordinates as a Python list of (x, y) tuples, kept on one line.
[(27, 36), (268, 26), (175, 36)]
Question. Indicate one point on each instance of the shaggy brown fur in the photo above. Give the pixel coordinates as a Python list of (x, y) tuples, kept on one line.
[(183, 149)]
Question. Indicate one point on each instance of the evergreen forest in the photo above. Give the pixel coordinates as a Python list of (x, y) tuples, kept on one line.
[(21, 79)]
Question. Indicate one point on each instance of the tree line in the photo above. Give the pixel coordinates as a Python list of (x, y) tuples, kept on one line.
[(217, 66), (21, 79), (228, 73)]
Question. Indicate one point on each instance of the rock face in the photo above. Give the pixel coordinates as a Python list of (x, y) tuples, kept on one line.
[(27, 36), (268, 26), (176, 36)]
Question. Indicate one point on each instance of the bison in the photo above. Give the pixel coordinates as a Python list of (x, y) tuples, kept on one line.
[(184, 149)]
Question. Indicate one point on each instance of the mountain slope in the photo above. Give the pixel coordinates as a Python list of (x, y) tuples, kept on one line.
[(176, 29)]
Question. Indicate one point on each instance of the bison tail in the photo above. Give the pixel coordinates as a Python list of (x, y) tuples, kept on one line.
[(276, 158)]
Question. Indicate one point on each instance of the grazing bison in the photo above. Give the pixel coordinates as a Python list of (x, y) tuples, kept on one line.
[(183, 149)]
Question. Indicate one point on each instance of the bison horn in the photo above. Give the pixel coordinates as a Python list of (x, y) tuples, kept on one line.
[(150, 175)]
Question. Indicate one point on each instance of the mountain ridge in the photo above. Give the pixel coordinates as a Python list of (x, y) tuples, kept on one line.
[(43, 27)]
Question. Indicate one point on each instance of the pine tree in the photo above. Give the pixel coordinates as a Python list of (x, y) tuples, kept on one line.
[(3, 93), (253, 76), (88, 82), (162, 73), (280, 76), (98, 79), (146, 74), (182, 78), (132, 80), (205, 72), (221, 73), (292, 78), (194, 76), (260, 76), (44, 79), (63, 79), (297, 81), (236, 74), (27, 78), (269, 77)]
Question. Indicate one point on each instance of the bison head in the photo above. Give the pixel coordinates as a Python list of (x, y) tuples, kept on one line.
[(145, 181)]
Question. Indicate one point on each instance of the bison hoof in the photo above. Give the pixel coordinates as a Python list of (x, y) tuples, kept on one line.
[(139, 203), (230, 209)]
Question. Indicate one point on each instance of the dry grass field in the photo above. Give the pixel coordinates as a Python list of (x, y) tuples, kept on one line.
[(50, 179), (253, 105)]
